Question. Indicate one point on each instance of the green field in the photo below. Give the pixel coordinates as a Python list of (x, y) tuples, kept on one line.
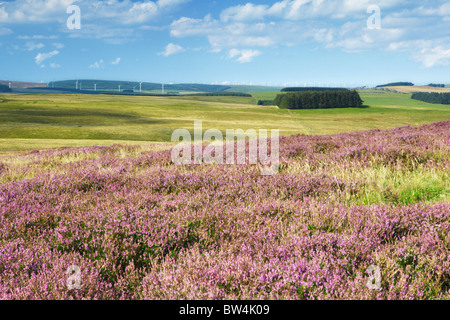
[(45, 121)]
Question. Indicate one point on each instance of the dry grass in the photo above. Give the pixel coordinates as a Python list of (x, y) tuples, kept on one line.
[(409, 89)]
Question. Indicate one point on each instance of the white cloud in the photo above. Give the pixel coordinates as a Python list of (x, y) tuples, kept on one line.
[(5, 31), (30, 46), (37, 37), (172, 49), (97, 64), (170, 3), (113, 35), (3, 15), (330, 23), (22, 11), (431, 57), (58, 45), (54, 65), (430, 53), (120, 11), (303, 9), (244, 55), (116, 62), (247, 12), (41, 57)]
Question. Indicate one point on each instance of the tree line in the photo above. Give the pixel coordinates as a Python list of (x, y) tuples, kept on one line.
[(319, 100), (397, 84), (266, 103), (4, 88), (298, 89), (220, 94), (437, 85), (432, 97)]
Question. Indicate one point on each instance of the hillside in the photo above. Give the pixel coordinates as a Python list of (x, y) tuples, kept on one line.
[(106, 85), (412, 89), (38, 121), (23, 85)]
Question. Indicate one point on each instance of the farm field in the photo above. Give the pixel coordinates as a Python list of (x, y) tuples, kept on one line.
[(136, 226), (45, 121), (412, 89)]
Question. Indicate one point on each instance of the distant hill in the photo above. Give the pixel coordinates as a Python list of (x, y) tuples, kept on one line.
[(109, 86), (106, 85), (22, 85), (302, 89), (4, 88), (396, 84), (253, 89), (410, 89)]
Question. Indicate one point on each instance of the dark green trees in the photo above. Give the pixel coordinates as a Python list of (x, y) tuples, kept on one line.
[(4, 88), (396, 84), (298, 89), (433, 97), (319, 100)]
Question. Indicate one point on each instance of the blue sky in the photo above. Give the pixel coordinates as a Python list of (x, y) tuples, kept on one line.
[(285, 42)]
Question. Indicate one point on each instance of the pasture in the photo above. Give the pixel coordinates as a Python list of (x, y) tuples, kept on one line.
[(46, 121)]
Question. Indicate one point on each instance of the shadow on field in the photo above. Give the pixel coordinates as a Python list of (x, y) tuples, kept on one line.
[(99, 117)]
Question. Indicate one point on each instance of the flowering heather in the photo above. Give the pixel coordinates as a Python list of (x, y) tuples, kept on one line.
[(140, 227)]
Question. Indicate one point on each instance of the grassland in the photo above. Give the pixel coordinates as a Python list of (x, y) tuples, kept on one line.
[(46, 121), (410, 89)]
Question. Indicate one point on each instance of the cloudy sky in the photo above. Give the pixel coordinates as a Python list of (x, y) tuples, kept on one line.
[(286, 42)]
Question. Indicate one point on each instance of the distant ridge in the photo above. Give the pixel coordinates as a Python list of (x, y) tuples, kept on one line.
[(22, 84), (300, 89), (116, 86), (397, 84), (89, 86), (152, 87)]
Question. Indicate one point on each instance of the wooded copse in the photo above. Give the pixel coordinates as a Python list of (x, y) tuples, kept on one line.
[(298, 89), (319, 100), (432, 97), (265, 103), (4, 88), (396, 84)]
